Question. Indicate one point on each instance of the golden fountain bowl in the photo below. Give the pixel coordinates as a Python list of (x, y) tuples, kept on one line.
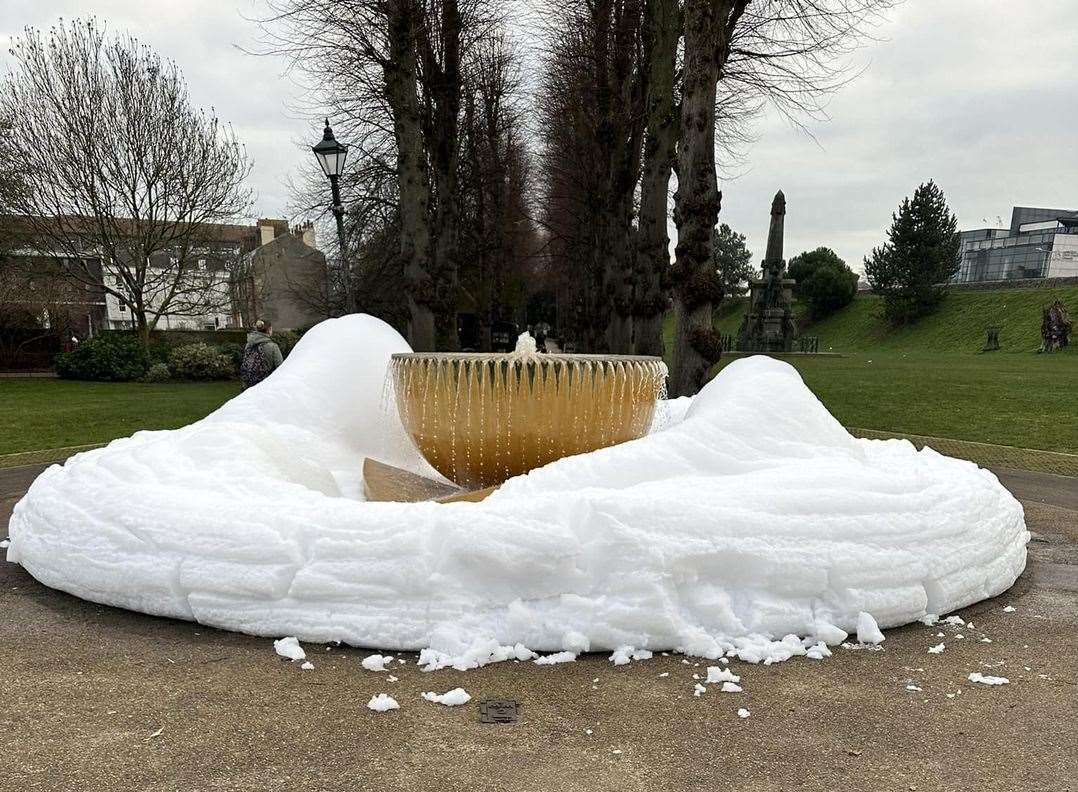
[(481, 419)]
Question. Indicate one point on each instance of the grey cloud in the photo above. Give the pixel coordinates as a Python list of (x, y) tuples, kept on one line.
[(976, 94)]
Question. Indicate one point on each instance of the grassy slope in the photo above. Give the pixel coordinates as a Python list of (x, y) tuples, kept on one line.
[(958, 326), (48, 413)]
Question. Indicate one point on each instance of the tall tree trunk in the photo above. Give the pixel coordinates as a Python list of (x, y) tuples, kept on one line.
[(143, 326), (444, 136), (697, 288), (400, 77), (619, 273), (662, 31), (446, 272)]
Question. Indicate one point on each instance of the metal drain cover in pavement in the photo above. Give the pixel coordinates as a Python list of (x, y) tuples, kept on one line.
[(499, 711)]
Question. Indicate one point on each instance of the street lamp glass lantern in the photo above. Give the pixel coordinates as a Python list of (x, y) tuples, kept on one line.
[(331, 153)]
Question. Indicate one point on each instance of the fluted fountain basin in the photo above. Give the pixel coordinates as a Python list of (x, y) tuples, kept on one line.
[(481, 419)]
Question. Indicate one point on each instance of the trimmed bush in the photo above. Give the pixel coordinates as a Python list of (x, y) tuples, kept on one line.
[(286, 339), (824, 281), (234, 352), (109, 357), (200, 362), (158, 372)]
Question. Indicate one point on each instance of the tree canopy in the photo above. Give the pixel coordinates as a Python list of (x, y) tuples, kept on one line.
[(920, 256), (824, 280), (732, 260)]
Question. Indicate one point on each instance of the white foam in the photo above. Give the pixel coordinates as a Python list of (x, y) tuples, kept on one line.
[(382, 702), (868, 631), (453, 698), (376, 662), (751, 514), (986, 679), (289, 648)]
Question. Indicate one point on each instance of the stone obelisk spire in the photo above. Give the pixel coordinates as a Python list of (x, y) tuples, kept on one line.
[(774, 236)]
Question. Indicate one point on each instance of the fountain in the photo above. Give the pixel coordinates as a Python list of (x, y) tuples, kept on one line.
[(750, 523), (481, 419)]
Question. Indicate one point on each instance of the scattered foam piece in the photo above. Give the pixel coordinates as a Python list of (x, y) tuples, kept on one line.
[(382, 703), (720, 674), (376, 662), (289, 648), (479, 653), (956, 621), (623, 655), (557, 657), (453, 698), (937, 649), (1009, 609), (730, 687), (308, 666), (829, 633), (984, 679), (868, 632), (698, 689), (818, 652), (743, 713)]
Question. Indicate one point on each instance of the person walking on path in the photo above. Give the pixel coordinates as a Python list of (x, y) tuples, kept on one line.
[(261, 355)]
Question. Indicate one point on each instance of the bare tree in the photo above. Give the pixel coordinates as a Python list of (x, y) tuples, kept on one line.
[(737, 55), (709, 29), (395, 71), (593, 119), (497, 234), (119, 170), (662, 33)]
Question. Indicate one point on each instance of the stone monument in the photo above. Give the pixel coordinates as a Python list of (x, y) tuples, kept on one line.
[(769, 324)]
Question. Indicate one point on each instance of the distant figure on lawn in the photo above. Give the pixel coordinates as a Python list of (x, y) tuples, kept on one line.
[(261, 355)]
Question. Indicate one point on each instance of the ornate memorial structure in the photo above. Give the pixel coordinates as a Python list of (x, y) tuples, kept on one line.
[(769, 324)]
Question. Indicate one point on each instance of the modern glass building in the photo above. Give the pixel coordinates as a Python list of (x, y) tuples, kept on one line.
[(1040, 243)]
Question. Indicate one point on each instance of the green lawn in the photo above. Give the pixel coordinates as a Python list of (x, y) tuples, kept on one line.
[(1019, 399), (39, 413), (931, 378), (1025, 400)]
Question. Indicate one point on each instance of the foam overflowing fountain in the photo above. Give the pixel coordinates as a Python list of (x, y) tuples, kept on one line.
[(751, 524), (480, 418)]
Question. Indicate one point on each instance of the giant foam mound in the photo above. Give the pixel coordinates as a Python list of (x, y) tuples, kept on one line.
[(749, 515)]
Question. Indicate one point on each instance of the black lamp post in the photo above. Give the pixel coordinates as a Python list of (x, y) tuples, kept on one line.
[(331, 156)]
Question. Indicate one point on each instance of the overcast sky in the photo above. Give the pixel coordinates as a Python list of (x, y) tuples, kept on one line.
[(979, 95)]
